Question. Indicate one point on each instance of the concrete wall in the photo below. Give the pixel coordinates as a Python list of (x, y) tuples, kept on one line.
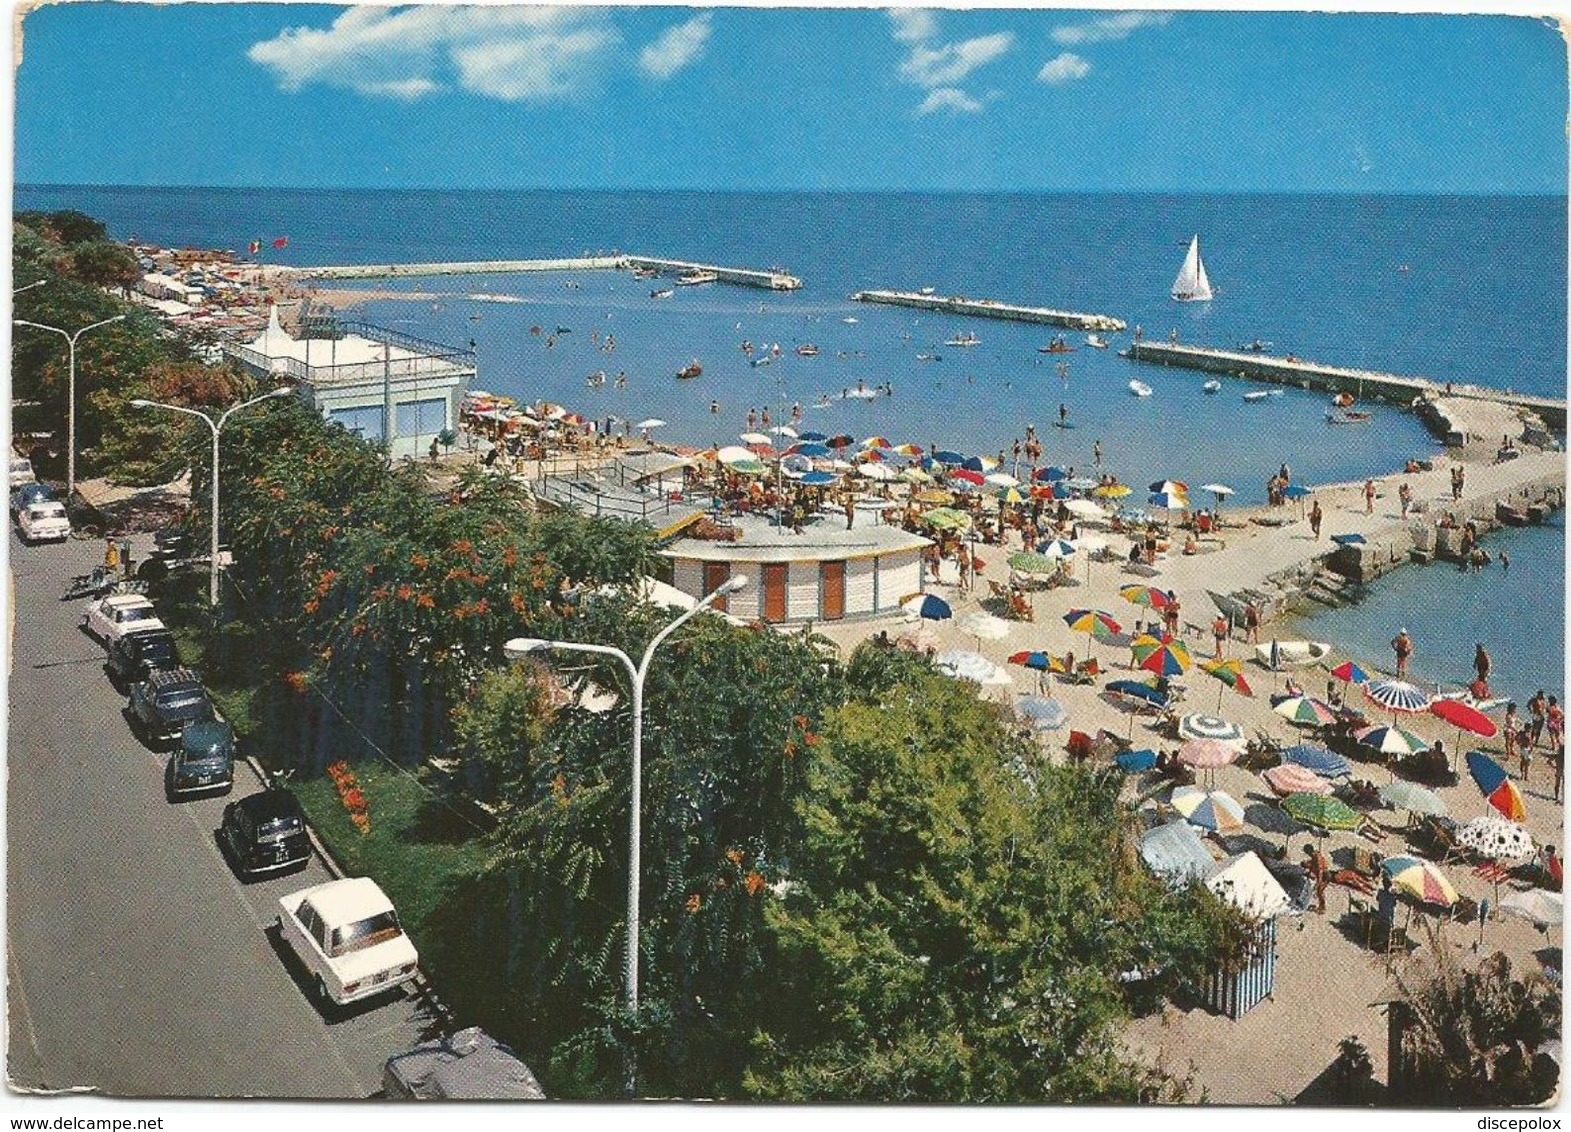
[(859, 586)]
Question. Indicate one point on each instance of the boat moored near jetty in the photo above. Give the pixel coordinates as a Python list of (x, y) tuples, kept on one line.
[(663, 293), (1349, 416), (1192, 284), (1096, 341), (1212, 386), (1139, 389), (966, 339), (696, 278), (1261, 395), (1292, 654)]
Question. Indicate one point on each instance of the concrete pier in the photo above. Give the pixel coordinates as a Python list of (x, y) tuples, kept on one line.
[(1365, 384), (991, 308), (770, 280)]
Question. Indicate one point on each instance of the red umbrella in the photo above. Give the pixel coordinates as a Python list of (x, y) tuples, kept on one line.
[(970, 477), (1465, 717)]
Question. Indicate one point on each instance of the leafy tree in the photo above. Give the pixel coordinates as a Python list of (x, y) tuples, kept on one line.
[(104, 264), (65, 227)]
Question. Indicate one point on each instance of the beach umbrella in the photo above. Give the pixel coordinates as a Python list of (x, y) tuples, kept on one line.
[(947, 519), (841, 441), (965, 475), (1050, 491), (907, 450), (1290, 778), (1420, 879), (1041, 661), (1303, 710), (810, 449), (927, 607), (1398, 695), (1042, 714), (1350, 673), (1141, 695), (1085, 509), (915, 475), (1496, 839), (1208, 754), (1001, 479), (876, 442), (1317, 760), (881, 472), (815, 437), (1030, 562), (1198, 726), (871, 456), (1080, 483), (1135, 515), (1496, 786), (795, 465), (1544, 908), (1215, 810), (1056, 549), (934, 495), (656, 422), (753, 438), (1112, 491), (750, 467), (982, 464), (983, 626), (1050, 474), (1167, 658), (1093, 623), (1297, 491), (1389, 739), (1321, 811), (1135, 762), (1229, 674), (1465, 717), (732, 453), (786, 431), (1010, 496), (819, 479), (1413, 798), (963, 664), (1177, 486), (1148, 597), (1168, 501), (1220, 490), (948, 459)]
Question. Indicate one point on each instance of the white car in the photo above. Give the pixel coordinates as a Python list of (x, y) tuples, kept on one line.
[(113, 617), (21, 472), (347, 935), (38, 522)]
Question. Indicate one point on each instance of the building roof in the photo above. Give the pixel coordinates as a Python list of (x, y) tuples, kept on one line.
[(276, 344), (821, 540)]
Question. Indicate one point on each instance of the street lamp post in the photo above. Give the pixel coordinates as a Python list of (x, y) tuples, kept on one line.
[(142, 403), (70, 454), (519, 647)]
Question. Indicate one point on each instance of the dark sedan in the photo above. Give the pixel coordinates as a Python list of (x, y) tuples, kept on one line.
[(133, 656), (265, 834), (204, 762)]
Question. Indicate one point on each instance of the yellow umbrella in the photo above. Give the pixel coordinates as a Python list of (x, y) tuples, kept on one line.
[(1112, 491)]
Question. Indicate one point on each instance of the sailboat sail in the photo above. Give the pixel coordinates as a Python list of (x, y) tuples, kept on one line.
[(1192, 285)]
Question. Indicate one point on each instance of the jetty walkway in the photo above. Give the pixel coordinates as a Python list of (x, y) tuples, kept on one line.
[(771, 280), (991, 308), (1365, 384)]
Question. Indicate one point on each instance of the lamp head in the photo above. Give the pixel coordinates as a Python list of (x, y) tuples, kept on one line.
[(281, 391), (520, 647), (141, 403), (733, 583)]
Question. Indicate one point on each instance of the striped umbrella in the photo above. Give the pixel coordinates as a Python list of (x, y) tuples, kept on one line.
[(1322, 811), (1010, 496), (1051, 474), (1317, 760), (1543, 908), (1420, 879), (1092, 622), (1168, 500), (1398, 695), (871, 456), (1289, 779), (1496, 839), (1041, 661), (1389, 739), (1147, 597), (1303, 710), (1058, 549), (911, 451), (1208, 754), (1178, 487), (927, 607), (1496, 786), (1228, 673), (915, 475), (1350, 673), (876, 442), (1210, 809), (1167, 658), (1196, 726), (841, 441), (1413, 798)]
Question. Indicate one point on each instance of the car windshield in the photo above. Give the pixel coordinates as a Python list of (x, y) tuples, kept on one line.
[(134, 613), (161, 650), (278, 828), (365, 933), (47, 511)]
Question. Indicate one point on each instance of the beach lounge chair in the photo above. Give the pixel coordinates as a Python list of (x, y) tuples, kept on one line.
[(1020, 607)]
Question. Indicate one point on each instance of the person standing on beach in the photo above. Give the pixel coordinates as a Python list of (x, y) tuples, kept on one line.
[(1482, 663), (1405, 495), (1555, 718), (1369, 497), (1514, 749), (1315, 517), (1536, 708), (1319, 873), (1402, 645), (1170, 614), (1219, 631), (850, 511), (1096, 453), (1063, 413), (1252, 623)]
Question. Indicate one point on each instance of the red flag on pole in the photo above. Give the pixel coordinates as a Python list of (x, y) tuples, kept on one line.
[(281, 242), (256, 247)]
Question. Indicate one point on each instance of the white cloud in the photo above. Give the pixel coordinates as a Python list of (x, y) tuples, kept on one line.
[(952, 62), (950, 99), (513, 54), (1066, 68), (675, 48), (913, 25), (1119, 26)]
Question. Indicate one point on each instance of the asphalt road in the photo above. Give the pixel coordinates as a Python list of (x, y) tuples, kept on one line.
[(137, 963)]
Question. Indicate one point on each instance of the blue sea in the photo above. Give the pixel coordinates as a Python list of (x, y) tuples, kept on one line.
[(1464, 289)]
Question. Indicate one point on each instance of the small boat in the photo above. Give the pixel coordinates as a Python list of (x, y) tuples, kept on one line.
[(929, 290), (1139, 389), (1096, 341), (966, 339), (1262, 394), (762, 360), (861, 394), (848, 320), (1192, 284), (807, 350), (696, 278), (1348, 416), (1343, 400), (691, 370), (929, 357), (1292, 654), (1466, 696), (663, 293), (564, 329), (1212, 386), (644, 273), (1255, 347)]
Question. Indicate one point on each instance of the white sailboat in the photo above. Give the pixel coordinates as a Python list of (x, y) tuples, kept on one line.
[(1192, 285)]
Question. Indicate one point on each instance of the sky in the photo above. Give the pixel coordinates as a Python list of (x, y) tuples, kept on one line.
[(788, 98)]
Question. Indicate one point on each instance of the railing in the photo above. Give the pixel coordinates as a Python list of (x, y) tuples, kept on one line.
[(425, 359)]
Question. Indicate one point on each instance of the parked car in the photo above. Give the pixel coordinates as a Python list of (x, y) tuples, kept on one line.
[(31, 493), (163, 704), (43, 522), (470, 1065), (110, 618), (131, 656), (265, 833), (21, 472), (203, 761), (346, 933)]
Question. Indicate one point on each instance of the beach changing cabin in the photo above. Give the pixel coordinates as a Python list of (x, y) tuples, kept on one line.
[(826, 573), (1237, 987)]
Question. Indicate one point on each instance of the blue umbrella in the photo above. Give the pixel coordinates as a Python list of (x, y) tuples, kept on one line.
[(928, 607), (1349, 540), (1050, 474), (1044, 714), (813, 451), (1133, 515), (1297, 491), (949, 459), (973, 464), (1135, 690), (1327, 764), (1133, 762), (815, 436), (819, 479)]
